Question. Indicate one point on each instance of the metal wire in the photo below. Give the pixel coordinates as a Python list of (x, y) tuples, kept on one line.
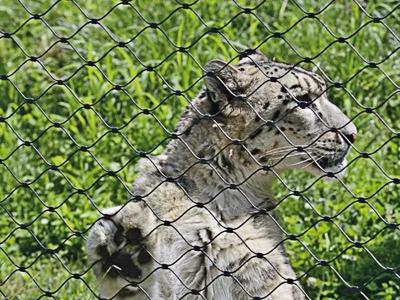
[(29, 102)]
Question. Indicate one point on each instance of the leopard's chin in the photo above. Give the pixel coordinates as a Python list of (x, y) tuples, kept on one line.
[(330, 168), (327, 163)]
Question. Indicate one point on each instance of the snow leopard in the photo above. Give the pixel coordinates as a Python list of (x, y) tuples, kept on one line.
[(201, 219)]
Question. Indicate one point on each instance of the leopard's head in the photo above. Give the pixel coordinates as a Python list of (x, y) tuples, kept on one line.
[(282, 113)]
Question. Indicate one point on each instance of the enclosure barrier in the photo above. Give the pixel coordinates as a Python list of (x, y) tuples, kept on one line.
[(53, 171)]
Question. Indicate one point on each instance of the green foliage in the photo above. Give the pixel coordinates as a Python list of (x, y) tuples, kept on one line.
[(41, 223)]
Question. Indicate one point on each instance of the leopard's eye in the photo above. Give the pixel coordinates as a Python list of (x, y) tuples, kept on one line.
[(304, 98)]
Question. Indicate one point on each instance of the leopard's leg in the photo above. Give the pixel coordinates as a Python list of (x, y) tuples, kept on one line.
[(121, 246), (267, 276), (249, 262), (207, 261)]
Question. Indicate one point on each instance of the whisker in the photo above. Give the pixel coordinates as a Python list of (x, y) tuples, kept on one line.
[(279, 150), (312, 162), (315, 161), (311, 159), (278, 157), (301, 162)]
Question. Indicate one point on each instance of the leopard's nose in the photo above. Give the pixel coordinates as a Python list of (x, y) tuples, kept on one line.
[(351, 137), (349, 133)]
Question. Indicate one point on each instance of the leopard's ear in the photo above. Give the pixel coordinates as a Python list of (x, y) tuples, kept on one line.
[(252, 57), (221, 80)]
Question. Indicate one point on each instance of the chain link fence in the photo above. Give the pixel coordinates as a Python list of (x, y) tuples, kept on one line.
[(87, 88)]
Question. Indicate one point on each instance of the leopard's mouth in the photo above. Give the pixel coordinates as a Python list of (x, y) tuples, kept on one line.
[(327, 163), (332, 163)]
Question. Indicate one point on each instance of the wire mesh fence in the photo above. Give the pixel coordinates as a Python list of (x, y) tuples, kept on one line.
[(86, 90)]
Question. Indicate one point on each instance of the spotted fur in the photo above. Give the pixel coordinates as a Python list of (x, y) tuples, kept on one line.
[(201, 224)]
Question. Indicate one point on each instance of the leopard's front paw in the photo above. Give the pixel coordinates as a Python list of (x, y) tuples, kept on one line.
[(120, 251)]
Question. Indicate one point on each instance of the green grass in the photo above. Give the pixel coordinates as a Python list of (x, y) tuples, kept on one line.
[(58, 205)]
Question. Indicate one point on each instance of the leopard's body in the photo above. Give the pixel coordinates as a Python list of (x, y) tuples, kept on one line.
[(202, 224)]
